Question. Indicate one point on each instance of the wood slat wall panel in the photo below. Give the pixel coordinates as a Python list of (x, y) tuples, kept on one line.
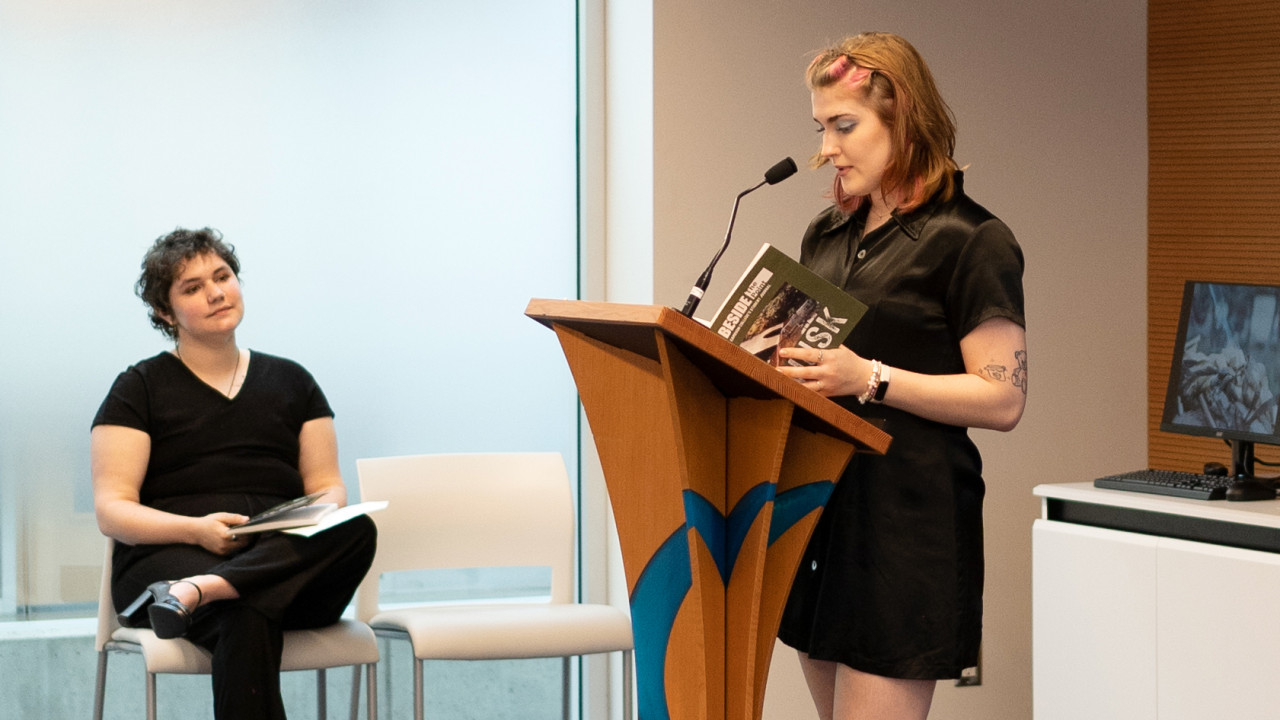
[(1213, 112)]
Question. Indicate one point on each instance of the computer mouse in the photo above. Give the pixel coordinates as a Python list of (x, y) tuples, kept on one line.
[(1251, 489)]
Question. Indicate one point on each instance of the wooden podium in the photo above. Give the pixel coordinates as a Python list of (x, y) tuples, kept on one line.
[(717, 467)]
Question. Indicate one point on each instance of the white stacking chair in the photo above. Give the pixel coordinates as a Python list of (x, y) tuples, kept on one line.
[(347, 642), (483, 510)]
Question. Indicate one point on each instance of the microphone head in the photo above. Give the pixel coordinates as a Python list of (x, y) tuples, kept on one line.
[(782, 170)]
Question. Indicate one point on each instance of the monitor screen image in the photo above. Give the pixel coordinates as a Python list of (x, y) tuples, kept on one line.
[(1225, 377)]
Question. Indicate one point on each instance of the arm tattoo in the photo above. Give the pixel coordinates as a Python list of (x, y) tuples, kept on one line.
[(996, 372), (1020, 374), (1018, 377)]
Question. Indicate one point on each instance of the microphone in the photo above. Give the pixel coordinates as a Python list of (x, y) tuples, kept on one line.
[(781, 170)]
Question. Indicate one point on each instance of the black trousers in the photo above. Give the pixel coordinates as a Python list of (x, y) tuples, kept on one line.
[(286, 582)]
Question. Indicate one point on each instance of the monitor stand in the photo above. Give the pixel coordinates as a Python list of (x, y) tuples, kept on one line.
[(1246, 486)]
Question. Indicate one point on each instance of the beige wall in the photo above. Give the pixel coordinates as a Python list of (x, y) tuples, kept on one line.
[(1050, 102)]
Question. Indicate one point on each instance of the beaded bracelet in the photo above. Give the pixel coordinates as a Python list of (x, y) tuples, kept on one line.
[(873, 383), (884, 384)]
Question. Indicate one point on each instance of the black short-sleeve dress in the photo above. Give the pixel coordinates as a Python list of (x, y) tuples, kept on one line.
[(891, 583)]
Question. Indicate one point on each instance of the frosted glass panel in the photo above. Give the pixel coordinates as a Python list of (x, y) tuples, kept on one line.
[(399, 179)]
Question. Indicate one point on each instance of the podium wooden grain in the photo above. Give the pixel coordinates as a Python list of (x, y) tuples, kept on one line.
[(717, 467)]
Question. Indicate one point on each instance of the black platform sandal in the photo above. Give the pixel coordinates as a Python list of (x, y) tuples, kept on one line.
[(169, 617)]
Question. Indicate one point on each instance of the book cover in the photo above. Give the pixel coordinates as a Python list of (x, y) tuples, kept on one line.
[(284, 517), (779, 303)]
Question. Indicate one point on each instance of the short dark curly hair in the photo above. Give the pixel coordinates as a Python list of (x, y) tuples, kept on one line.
[(162, 263)]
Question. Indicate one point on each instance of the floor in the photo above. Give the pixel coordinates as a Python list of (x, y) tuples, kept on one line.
[(48, 669)]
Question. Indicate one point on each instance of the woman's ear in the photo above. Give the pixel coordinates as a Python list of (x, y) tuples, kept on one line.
[(169, 320)]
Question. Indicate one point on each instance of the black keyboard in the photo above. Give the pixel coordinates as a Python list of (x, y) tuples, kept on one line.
[(1169, 482)]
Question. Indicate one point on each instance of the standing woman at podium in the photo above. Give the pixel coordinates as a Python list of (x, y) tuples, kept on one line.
[(888, 597)]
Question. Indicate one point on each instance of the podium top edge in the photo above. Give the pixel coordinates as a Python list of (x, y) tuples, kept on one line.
[(548, 311), (583, 314)]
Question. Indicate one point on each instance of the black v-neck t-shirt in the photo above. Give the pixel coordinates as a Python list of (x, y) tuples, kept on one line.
[(212, 453)]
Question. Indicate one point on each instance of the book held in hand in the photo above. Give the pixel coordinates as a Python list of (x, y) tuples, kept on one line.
[(779, 303), (304, 516), (298, 512), (338, 516)]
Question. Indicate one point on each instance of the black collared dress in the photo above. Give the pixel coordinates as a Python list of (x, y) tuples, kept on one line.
[(891, 583)]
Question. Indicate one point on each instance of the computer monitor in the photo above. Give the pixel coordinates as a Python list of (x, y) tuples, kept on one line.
[(1225, 378)]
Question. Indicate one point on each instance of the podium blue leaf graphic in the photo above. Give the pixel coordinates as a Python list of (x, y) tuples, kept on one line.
[(666, 580)]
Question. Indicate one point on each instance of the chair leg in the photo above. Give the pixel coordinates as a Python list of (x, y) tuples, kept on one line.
[(372, 690), (355, 692), (322, 695), (100, 688), (566, 667), (418, 700), (627, 689), (151, 696)]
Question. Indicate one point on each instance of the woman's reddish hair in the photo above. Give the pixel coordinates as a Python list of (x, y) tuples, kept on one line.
[(887, 74)]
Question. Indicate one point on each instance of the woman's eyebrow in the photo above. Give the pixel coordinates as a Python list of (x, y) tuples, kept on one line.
[(834, 118)]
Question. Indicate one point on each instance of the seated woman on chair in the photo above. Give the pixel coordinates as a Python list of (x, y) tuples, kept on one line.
[(192, 442)]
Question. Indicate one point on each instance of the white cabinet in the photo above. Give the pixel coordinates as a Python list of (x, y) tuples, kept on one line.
[(1143, 626), (1093, 629), (1218, 640)]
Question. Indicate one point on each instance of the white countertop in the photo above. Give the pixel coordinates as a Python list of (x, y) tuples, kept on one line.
[(1264, 513)]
